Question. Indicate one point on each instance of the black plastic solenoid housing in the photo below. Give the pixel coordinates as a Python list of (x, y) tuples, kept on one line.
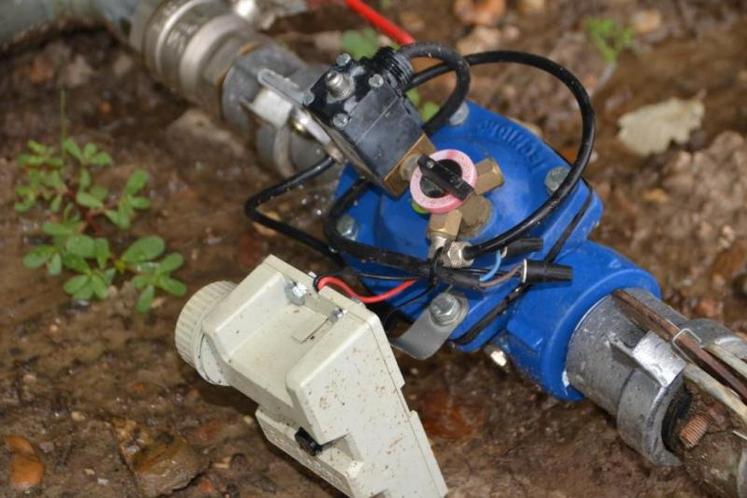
[(363, 107)]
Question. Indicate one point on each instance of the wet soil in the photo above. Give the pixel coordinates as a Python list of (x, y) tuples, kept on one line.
[(68, 372)]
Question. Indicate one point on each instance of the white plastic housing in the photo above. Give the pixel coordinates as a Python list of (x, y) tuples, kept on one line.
[(316, 361)]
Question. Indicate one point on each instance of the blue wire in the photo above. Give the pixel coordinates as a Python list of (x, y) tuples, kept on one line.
[(489, 275)]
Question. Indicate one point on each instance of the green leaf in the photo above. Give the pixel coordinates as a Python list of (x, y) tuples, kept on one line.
[(140, 281), (136, 182), (73, 149), (101, 159), (75, 263), (144, 249), (24, 205), (139, 202), (85, 179), (81, 245), (360, 43), (37, 147), (89, 150), (76, 283), (56, 204), (98, 191), (38, 256), (84, 293), (102, 252), (100, 289), (428, 110), (414, 96), (170, 263), (117, 218), (172, 285), (57, 229), (54, 266), (88, 200), (145, 300)]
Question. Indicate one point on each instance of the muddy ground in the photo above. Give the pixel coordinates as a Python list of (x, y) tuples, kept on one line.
[(71, 374)]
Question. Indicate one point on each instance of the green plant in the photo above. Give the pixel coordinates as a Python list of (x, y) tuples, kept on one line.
[(364, 43), (60, 182), (609, 37)]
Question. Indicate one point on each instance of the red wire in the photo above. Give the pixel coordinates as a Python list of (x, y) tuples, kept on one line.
[(342, 285), (380, 22)]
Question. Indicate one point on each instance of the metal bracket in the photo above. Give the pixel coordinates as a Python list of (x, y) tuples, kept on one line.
[(425, 337)]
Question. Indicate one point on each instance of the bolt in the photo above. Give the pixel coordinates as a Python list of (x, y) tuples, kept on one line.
[(344, 59), (340, 86), (445, 309), (694, 430), (340, 120), (347, 227), (296, 293), (555, 177), (460, 116), (308, 98), (376, 81)]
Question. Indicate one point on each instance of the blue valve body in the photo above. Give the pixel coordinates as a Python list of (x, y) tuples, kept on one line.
[(536, 328)]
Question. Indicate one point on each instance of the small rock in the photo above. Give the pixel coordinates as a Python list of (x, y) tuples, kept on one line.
[(651, 128), (646, 21), (77, 73), (328, 41), (122, 65), (482, 12), (481, 39), (531, 7), (656, 196), (77, 416), (161, 463), (41, 70), (412, 21), (708, 308), (26, 469)]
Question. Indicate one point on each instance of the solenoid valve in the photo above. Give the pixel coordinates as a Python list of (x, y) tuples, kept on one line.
[(323, 374)]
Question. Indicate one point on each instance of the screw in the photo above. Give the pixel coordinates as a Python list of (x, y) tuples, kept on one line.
[(694, 430), (460, 116), (376, 81), (555, 177), (445, 309), (344, 59), (308, 98), (296, 293), (340, 120), (348, 227)]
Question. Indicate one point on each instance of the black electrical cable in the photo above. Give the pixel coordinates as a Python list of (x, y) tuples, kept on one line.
[(588, 132), (392, 259), (252, 204), (452, 60), (520, 289)]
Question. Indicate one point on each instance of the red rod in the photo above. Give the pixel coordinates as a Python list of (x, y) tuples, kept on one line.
[(380, 22)]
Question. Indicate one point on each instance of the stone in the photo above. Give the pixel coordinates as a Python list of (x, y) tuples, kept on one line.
[(26, 468), (479, 12), (161, 462)]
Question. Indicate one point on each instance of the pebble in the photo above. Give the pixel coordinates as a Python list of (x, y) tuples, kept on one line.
[(481, 12), (646, 21), (481, 39), (531, 7), (26, 468), (122, 65), (77, 73), (161, 463), (77, 416)]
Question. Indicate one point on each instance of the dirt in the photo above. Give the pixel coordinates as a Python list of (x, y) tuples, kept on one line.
[(71, 373)]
